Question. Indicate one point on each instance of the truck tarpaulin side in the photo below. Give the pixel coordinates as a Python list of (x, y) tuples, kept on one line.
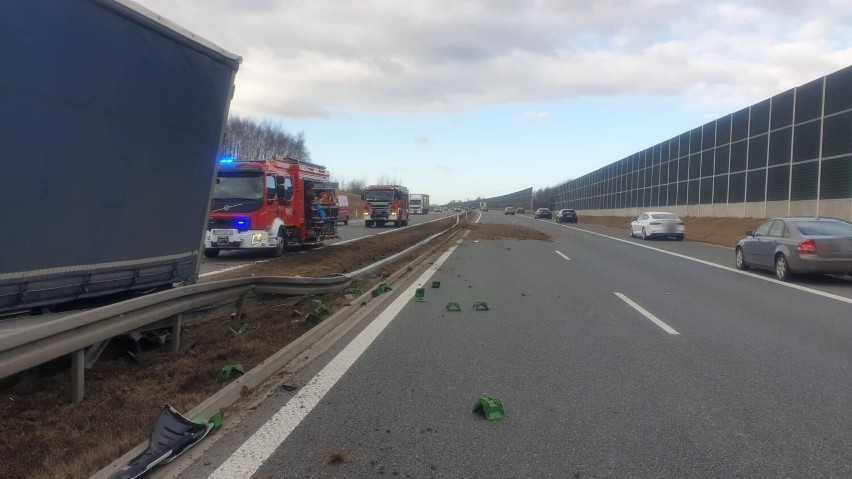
[(112, 120)]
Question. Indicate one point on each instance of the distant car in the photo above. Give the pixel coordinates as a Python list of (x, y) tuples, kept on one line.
[(566, 216), (657, 224), (520, 211), (543, 213), (509, 211), (794, 245), (457, 209)]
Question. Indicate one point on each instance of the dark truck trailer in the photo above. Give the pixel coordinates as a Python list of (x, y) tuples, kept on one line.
[(111, 123)]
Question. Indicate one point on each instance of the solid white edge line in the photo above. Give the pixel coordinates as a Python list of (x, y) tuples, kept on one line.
[(561, 254), (817, 292), (248, 458), (648, 315)]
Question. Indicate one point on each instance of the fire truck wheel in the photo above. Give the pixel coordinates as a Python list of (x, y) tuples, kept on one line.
[(346, 222), (279, 249), (404, 222), (368, 224), (396, 224), (211, 253)]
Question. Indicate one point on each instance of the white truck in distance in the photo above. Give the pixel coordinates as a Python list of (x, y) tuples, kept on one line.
[(418, 204)]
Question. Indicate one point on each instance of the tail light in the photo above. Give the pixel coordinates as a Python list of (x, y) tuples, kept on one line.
[(806, 247)]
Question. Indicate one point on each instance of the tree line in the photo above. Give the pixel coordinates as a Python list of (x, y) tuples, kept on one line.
[(247, 139)]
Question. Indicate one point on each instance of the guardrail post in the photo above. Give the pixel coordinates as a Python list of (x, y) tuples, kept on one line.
[(177, 320), (240, 303), (78, 375)]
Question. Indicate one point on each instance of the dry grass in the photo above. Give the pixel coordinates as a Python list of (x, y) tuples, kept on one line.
[(718, 231), (482, 231)]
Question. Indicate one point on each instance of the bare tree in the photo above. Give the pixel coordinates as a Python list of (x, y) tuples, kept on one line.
[(388, 180), (247, 139)]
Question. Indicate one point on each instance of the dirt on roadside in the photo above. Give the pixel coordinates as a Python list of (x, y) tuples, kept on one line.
[(481, 231), (718, 231)]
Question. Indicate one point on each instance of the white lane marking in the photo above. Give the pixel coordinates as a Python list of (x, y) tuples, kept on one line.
[(246, 460), (560, 254), (239, 266), (817, 292), (478, 217), (648, 315)]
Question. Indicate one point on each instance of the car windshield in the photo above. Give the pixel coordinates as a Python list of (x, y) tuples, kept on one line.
[(665, 216), (824, 227)]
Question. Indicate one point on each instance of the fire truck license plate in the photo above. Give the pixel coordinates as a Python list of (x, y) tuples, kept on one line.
[(224, 232)]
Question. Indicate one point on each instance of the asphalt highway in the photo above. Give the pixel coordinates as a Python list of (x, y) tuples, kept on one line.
[(614, 358)]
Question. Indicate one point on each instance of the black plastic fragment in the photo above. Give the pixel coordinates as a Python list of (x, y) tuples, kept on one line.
[(172, 435)]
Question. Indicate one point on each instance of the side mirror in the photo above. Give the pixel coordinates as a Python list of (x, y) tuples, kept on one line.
[(281, 191), (749, 233)]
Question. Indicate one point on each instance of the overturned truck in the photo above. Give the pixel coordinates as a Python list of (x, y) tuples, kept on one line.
[(112, 121)]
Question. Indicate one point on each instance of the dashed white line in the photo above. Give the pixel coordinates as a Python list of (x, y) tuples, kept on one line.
[(648, 315), (246, 460), (563, 255)]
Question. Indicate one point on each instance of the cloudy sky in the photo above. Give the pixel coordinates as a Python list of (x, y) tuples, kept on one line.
[(462, 99)]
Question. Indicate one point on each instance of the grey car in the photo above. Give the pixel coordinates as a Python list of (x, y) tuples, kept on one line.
[(795, 245)]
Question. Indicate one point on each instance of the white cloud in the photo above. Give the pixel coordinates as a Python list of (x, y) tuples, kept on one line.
[(535, 115), (323, 58)]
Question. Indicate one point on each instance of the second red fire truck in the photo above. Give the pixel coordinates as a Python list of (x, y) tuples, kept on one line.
[(385, 204)]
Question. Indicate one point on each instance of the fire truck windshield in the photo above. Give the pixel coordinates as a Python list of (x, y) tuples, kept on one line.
[(238, 186), (379, 195)]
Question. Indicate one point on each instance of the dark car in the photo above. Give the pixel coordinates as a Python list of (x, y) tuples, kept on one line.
[(796, 245), (566, 216), (543, 213)]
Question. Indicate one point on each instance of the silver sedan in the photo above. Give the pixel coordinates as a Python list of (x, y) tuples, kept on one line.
[(797, 245), (659, 224)]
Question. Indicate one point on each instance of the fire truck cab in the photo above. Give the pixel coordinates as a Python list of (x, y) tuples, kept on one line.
[(385, 204), (268, 204)]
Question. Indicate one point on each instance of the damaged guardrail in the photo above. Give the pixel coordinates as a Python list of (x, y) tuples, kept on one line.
[(73, 333)]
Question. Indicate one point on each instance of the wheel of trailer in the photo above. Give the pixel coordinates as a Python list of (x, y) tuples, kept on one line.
[(404, 222), (368, 223), (396, 224), (279, 249), (211, 253), (380, 223)]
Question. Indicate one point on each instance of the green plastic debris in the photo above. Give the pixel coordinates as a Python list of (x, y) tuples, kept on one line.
[(241, 331), (491, 408), (382, 288), (420, 294), (319, 308), (217, 420), (436, 284), (358, 281), (480, 306), (453, 307), (227, 370)]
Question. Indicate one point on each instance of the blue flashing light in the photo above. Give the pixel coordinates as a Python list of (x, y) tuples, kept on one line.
[(226, 160), (241, 222)]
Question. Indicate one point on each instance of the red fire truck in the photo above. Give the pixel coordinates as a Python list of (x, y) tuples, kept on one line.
[(265, 205), (385, 203)]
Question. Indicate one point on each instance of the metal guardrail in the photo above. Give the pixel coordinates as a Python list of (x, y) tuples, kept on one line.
[(73, 333)]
